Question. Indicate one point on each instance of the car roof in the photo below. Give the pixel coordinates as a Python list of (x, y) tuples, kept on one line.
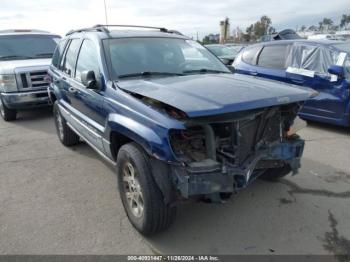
[(326, 42), (25, 32)]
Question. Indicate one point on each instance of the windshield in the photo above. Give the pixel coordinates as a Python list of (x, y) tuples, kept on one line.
[(343, 46), (16, 47), (222, 50), (160, 56)]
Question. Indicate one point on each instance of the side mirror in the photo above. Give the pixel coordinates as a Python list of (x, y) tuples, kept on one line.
[(226, 61), (88, 79), (336, 70)]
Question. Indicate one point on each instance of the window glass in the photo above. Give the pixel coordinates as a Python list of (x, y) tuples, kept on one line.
[(71, 57), (273, 56), (249, 54), (18, 47), (58, 53), (87, 60)]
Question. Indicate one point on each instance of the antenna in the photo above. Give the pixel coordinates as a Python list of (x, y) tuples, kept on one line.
[(106, 17)]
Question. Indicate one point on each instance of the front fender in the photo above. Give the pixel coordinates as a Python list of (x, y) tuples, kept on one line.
[(154, 140)]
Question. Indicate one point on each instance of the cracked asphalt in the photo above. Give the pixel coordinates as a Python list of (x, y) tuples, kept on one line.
[(56, 200)]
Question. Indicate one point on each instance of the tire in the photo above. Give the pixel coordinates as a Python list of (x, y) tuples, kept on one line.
[(274, 174), (66, 135), (6, 113), (141, 197)]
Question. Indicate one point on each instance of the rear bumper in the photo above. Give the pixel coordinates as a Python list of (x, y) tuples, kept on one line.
[(23, 100), (223, 178)]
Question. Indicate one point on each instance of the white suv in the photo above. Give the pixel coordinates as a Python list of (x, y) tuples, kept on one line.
[(25, 56)]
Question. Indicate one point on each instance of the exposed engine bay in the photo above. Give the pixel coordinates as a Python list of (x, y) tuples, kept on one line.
[(233, 138)]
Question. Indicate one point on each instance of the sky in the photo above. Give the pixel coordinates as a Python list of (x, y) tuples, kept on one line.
[(187, 16)]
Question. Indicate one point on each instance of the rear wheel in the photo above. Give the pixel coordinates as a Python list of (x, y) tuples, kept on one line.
[(6, 113), (141, 197), (66, 135), (273, 174)]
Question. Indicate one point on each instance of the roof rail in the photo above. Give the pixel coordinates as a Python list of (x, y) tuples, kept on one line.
[(99, 29), (104, 28), (162, 29)]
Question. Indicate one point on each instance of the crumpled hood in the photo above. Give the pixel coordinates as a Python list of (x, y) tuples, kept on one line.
[(8, 67), (210, 94)]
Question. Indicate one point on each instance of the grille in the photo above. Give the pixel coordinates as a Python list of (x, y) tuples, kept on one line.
[(241, 139), (33, 80), (264, 129)]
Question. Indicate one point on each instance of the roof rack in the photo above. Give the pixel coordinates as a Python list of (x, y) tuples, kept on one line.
[(162, 29), (99, 29), (104, 28)]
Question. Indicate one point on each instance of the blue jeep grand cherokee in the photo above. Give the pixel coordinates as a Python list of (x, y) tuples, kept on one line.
[(321, 65), (175, 122)]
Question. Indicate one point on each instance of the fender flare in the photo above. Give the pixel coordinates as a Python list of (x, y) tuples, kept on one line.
[(154, 143)]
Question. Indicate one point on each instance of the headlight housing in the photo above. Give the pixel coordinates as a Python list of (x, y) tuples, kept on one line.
[(8, 83)]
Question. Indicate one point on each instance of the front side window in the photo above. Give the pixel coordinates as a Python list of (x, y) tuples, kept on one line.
[(273, 57), (31, 46), (167, 55), (249, 54), (87, 60), (71, 57)]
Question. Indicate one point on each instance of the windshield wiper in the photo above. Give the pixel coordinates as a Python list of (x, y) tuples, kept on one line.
[(204, 71), (44, 55), (149, 73), (9, 57)]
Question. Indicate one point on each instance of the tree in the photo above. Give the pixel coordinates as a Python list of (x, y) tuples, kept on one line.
[(325, 24), (302, 28), (260, 28), (312, 28), (345, 20)]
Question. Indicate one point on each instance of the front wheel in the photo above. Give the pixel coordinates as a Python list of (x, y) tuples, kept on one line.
[(274, 174), (66, 135), (140, 195), (6, 113)]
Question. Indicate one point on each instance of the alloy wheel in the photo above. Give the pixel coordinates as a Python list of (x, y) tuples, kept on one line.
[(132, 190)]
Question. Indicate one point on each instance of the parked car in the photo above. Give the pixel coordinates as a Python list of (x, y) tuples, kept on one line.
[(176, 126), (25, 56), (226, 54), (236, 47), (321, 65)]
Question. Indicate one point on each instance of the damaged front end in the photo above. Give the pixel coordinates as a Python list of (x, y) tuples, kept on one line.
[(225, 153)]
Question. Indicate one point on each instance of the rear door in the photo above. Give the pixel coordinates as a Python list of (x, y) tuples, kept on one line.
[(245, 63), (67, 69), (271, 62)]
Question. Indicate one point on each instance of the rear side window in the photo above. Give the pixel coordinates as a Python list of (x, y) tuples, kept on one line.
[(273, 57), (58, 53), (88, 59), (249, 55), (71, 57)]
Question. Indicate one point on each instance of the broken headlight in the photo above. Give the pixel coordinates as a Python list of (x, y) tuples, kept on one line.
[(8, 83), (188, 145)]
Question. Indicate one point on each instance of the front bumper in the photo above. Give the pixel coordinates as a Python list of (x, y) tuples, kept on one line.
[(227, 179), (23, 100)]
